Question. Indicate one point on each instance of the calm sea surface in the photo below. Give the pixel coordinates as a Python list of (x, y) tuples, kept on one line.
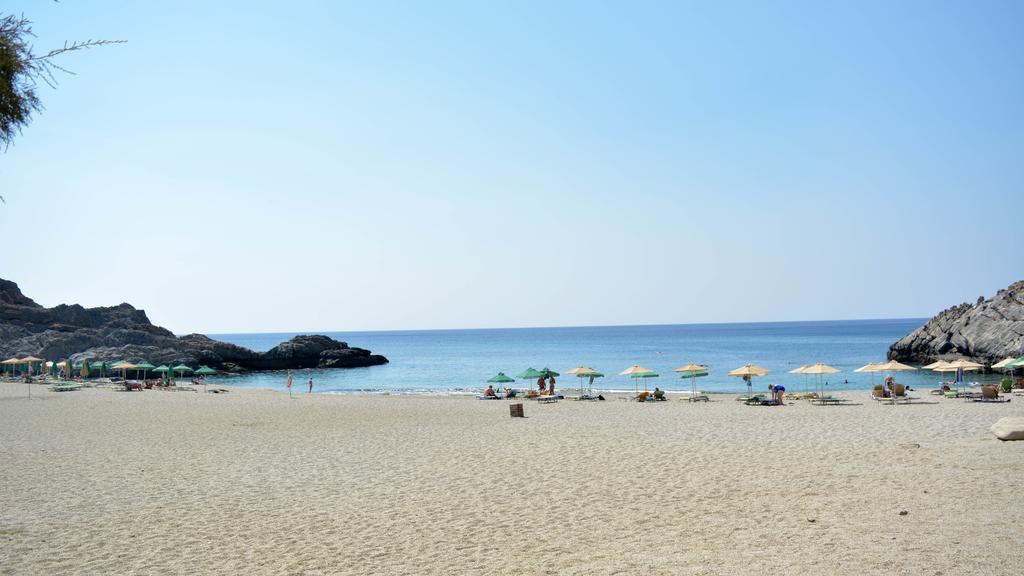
[(445, 361)]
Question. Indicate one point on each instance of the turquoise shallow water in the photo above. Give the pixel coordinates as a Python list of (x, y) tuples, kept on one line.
[(444, 361)]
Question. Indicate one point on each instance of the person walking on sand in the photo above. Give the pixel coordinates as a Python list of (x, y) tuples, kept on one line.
[(289, 384), (310, 385)]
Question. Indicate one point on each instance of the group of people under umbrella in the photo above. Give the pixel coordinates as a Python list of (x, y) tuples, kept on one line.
[(31, 365), (545, 378)]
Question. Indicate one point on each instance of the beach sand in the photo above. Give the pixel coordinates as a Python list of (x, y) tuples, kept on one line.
[(103, 482)]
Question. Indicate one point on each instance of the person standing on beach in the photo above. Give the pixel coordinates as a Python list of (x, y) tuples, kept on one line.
[(310, 384), (289, 384)]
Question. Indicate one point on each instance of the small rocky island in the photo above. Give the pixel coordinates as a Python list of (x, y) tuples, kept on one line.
[(108, 334), (986, 331)]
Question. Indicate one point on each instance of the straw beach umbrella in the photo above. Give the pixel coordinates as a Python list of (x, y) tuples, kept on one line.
[(12, 362), (30, 360), (800, 370), (581, 372), (636, 371), (961, 366), (817, 370), (124, 367), (893, 366), (747, 372), (692, 371)]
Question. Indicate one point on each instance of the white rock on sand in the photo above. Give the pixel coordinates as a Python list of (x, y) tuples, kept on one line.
[(100, 482), (1009, 428)]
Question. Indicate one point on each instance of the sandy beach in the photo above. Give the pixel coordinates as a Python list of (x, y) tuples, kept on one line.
[(103, 482)]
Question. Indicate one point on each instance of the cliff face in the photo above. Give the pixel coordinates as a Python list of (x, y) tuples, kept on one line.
[(987, 331), (124, 333)]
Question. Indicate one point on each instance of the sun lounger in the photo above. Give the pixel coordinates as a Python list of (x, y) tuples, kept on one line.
[(547, 399), (698, 398), (831, 400), (989, 394), (64, 386)]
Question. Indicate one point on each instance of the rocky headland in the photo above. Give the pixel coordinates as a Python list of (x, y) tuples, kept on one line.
[(122, 332), (986, 331)]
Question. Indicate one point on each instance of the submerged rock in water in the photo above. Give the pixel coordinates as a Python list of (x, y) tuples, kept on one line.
[(124, 333), (986, 331)]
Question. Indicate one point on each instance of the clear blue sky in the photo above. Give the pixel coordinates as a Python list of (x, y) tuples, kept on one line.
[(327, 166)]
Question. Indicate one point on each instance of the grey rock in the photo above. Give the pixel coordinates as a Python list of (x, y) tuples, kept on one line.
[(986, 331), (124, 333)]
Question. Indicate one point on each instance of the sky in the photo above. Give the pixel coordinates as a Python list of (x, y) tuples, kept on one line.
[(302, 166)]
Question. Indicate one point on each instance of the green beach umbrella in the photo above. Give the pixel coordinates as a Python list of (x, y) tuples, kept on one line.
[(547, 373), (163, 369), (529, 374), (182, 369), (203, 371), (500, 379), (145, 367)]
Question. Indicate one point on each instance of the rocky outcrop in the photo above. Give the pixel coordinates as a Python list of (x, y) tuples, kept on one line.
[(125, 333), (986, 331)]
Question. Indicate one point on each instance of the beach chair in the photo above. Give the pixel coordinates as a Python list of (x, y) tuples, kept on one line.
[(700, 397), (64, 387), (989, 394)]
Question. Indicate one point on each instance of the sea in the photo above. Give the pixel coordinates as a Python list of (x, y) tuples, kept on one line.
[(461, 361)]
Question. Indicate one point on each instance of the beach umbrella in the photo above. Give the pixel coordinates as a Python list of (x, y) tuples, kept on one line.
[(84, 371), (181, 368), (692, 371), (145, 367), (528, 374), (800, 370), (65, 368), (748, 372), (101, 366), (966, 365), (124, 367), (531, 375), (894, 366), (205, 371), (31, 360), (935, 365), (500, 378), (1005, 362), (817, 370), (636, 371), (162, 369), (590, 382), (548, 373), (12, 362), (961, 366), (581, 372)]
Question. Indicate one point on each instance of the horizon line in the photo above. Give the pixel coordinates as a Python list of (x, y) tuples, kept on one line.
[(313, 332)]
